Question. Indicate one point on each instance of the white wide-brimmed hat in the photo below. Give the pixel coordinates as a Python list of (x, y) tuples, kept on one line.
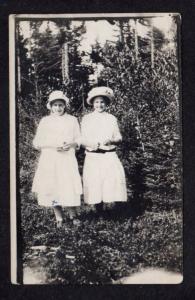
[(56, 95), (100, 91)]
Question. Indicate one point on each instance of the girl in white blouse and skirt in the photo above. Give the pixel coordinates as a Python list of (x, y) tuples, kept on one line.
[(103, 173), (57, 181)]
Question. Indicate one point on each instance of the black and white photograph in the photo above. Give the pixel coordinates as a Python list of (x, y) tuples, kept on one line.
[(96, 149)]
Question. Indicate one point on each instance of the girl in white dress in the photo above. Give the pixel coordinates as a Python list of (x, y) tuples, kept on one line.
[(103, 174), (57, 180)]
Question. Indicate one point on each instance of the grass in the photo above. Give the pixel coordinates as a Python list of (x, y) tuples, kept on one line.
[(105, 246)]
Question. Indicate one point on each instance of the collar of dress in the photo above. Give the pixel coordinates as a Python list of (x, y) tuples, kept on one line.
[(97, 113)]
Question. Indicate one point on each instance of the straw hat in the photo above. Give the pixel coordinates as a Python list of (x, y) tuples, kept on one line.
[(100, 91), (56, 95)]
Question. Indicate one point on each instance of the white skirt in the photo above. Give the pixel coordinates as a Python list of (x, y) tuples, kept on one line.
[(57, 180), (103, 178)]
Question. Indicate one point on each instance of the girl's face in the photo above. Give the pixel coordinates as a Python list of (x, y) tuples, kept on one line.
[(58, 107), (99, 104)]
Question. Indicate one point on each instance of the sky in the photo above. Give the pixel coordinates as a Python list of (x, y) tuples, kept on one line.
[(102, 31)]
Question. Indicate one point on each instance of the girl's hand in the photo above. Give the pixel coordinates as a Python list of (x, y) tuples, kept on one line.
[(60, 149), (66, 146), (107, 143), (73, 145), (95, 146), (112, 142)]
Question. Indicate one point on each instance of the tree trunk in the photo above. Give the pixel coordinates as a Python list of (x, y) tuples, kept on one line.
[(136, 41), (121, 31), (36, 87), (65, 63), (152, 46), (18, 60), (36, 81), (140, 135)]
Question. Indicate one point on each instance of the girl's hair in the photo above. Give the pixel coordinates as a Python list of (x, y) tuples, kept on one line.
[(106, 99), (52, 102)]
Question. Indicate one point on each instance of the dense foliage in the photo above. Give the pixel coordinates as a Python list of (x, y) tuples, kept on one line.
[(149, 124)]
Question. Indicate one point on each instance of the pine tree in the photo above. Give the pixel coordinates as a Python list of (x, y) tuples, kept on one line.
[(149, 123)]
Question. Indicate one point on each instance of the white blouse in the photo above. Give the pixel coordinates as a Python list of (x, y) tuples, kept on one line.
[(53, 131), (97, 128)]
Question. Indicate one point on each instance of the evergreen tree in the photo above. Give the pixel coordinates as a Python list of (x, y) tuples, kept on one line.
[(149, 123)]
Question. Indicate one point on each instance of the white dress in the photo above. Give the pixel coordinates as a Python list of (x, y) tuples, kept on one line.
[(57, 180), (103, 173)]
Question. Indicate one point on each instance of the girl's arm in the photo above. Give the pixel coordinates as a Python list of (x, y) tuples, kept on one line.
[(76, 139), (77, 135), (41, 139), (116, 136), (38, 139)]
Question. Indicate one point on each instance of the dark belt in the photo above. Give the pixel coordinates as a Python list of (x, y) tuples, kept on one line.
[(101, 151)]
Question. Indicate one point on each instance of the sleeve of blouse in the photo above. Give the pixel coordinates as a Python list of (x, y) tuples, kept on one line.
[(77, 133), (39, 136), (116, 134), (83, 131)]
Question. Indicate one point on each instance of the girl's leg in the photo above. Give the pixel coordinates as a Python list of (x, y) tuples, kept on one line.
[(99, 208), (72, 213), (108, 205), (58, 215)]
